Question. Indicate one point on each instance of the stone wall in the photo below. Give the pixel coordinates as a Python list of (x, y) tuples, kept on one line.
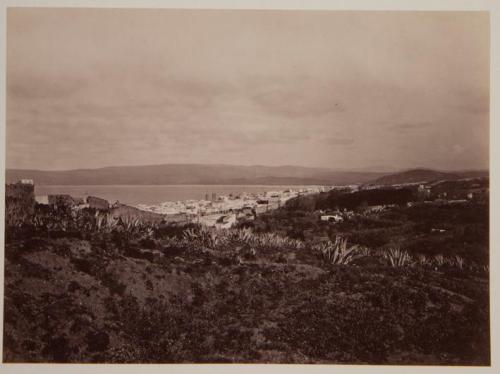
[(19, 203)]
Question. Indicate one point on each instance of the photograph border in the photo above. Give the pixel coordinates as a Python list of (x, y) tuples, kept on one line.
[(492, 6)]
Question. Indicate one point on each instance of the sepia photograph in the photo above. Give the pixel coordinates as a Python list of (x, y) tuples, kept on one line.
[(247, 186)]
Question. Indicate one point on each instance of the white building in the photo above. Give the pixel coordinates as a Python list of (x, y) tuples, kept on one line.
[(42, 199), (332, 218), (225, 222)]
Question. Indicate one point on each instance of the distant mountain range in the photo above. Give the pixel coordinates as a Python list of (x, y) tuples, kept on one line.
[(220, 174), (426, 175)]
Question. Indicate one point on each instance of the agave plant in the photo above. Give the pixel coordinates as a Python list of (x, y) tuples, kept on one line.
[(423, 260), (365, 251), (211, 240), (439, 260), (459, 262), (15, 216), (149, 232), (130, 224), (243, 236), (104, 222), (174, 242), (100, 221), (190, 234), (203, 237), (39, 221), (337, 252), (398, 257), (273, 240)]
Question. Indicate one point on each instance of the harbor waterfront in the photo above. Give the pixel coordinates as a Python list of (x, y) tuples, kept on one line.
[(225, 210), (157, 194), (215, 209)]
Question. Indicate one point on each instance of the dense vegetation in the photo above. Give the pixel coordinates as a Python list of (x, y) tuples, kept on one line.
[(341, 199), (422, 229), (81, 286)]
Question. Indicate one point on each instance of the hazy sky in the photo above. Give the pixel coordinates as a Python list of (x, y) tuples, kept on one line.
[(347, 90)]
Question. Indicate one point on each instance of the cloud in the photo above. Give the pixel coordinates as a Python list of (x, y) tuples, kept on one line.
[(302, 97), (93, 87), (458, 148), (337, 141), (410, 126), (32, 86)]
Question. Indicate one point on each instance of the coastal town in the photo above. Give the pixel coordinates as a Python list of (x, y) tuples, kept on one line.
[(225, 210), (219, 211)]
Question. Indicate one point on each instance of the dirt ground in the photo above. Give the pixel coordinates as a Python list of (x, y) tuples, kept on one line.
[(73, 300)]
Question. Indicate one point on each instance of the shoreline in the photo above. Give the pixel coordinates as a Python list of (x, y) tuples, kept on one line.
[(225, 210), (150, 195), (221, 210)]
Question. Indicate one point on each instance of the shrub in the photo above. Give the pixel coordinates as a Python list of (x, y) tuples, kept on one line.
[(58, 349), (97, 341), (112, 282), (371, 237)]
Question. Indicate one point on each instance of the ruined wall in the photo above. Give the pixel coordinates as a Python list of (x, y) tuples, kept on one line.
[(19, 203), (97, 203), (128, 212)]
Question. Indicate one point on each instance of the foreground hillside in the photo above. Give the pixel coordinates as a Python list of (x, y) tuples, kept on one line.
[(192, 295)]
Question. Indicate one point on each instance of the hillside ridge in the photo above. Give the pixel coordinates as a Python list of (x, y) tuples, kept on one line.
[(426, 175)]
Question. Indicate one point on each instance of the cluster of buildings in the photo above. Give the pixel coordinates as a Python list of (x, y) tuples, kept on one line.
[(215, 211), (225, 210)]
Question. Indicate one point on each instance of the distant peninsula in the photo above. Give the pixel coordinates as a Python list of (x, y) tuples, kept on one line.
[(201, 174)]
